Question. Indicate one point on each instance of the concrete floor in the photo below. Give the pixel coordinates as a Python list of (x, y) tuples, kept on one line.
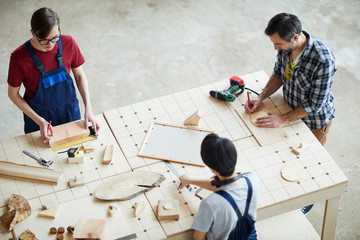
[(137, 50)]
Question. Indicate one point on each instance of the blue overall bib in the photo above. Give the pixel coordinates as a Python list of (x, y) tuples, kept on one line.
[(56, 99)]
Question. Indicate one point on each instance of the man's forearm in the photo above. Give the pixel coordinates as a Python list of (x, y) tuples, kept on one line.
[(295, 114), (272, 86)]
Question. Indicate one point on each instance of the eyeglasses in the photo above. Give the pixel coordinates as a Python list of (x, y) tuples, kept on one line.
[(46, 41)]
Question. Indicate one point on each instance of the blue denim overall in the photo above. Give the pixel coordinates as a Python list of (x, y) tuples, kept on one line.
[(56, 97)]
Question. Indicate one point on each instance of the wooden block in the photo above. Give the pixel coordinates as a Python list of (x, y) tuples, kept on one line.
[(300, 148), (193, 119), (29, 173), (108, 154), (79, 158), (77, 181), (68, 132), (112, 210), (50, 213), (168, 209), (27, 235), (90, 229)]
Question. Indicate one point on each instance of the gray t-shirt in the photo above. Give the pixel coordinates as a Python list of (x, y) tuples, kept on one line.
[(216, 216)]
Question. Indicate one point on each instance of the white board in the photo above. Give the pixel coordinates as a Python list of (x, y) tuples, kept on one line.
[(173, 143)]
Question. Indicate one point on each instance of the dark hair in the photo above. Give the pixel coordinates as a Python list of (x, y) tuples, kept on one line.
[(219, 154), (285, 24), (43, 20)]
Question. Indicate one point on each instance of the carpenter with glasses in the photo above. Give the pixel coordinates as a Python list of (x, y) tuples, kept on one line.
[(43, 65)]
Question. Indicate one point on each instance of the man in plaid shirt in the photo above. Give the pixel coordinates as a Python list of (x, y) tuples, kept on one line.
[(305, 68)]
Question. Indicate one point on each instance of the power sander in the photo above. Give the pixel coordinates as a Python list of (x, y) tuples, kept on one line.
[(237, 87)]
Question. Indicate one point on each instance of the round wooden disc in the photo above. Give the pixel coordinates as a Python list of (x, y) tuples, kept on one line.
[(256, 115), (292, 171)]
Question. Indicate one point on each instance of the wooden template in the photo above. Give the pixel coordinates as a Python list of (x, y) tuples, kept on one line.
[(128, 185), (174, 144), (29, 173), (264, 136), (69, 132), (293, 171)]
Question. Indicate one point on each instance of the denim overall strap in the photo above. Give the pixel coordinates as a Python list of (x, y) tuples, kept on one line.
[(34, 57), (228, 197)]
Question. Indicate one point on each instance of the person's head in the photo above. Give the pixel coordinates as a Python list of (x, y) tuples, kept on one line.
[(284, 29), (219, 154), (45, 26)]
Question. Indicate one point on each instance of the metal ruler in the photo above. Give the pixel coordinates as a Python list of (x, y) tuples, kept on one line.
[(173, 169)]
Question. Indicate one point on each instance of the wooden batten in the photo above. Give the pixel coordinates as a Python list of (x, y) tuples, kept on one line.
[(108, 154), (29, 173)]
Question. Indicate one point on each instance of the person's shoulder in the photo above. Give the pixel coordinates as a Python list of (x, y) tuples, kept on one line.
[(319, 48), (20, 53), (251, 175), (20, 50), (67, 39)]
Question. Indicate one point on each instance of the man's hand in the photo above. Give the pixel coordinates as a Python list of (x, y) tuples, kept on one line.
[(273, 120), (255, 103)]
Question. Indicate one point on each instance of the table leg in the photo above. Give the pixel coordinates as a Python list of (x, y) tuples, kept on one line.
[(330, 218)]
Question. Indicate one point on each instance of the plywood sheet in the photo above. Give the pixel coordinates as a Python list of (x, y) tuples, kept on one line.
[(173, 143), (264, 136)]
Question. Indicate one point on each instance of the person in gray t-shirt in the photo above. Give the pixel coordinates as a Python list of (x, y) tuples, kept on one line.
[(216, 217)]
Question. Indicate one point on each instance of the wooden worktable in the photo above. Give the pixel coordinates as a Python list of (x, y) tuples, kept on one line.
[(126, 128)]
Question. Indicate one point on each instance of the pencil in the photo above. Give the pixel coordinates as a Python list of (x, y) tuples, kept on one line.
[(249, 100), (47, 132)]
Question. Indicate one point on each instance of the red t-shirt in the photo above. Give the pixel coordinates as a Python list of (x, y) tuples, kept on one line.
[(22, 68)]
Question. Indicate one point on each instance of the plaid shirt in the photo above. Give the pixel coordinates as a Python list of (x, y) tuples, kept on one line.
[(311, 82)]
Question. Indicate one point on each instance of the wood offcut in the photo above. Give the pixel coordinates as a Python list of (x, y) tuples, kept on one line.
[(29, 173)]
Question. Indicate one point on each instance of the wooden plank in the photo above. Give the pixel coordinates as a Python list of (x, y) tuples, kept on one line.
[(90, 229), (173, 143), (29, 173), (68, 132)]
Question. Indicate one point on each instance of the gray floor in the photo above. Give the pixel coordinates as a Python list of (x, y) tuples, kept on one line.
[(137, 50)]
